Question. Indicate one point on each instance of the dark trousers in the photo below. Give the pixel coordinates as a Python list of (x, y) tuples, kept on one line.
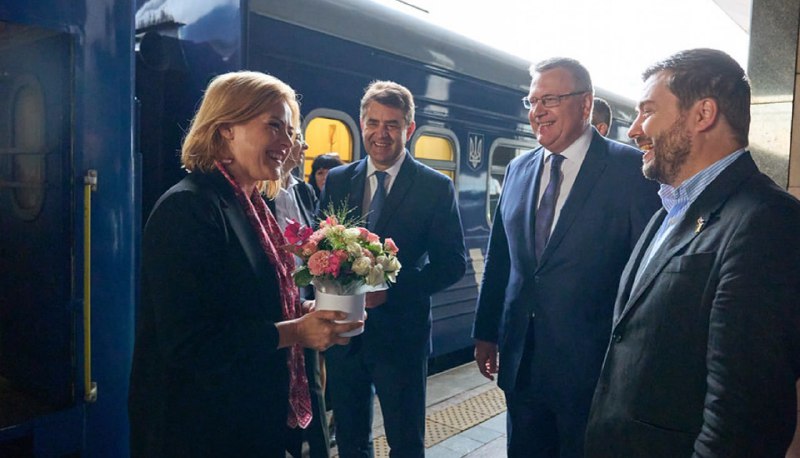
[(545, 419), (536, 430), (400, 385)]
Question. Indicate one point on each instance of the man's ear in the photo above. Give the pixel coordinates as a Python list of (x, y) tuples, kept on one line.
[(705, 114), (410, 129), (588, 100)]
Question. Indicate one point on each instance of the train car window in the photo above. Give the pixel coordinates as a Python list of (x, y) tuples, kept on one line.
[(25, 135), (501, 153), (623, 113), (330, 131), (619, 131), (437, 148)]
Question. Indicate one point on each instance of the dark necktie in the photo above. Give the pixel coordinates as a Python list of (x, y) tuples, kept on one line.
[(547, 207), (378, 199)]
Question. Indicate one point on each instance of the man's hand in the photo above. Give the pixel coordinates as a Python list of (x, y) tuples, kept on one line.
[(486, 357)]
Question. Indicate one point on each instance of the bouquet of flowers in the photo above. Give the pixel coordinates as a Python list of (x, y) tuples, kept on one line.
[(341, 258)]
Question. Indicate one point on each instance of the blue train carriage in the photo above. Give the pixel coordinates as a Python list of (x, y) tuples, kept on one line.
[(67, 250), (470, 122)]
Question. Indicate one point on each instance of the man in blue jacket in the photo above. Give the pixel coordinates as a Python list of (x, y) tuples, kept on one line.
[(416, 206), (570, 213)]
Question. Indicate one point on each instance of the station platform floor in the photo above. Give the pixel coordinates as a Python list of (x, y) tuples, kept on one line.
[(465, 417)]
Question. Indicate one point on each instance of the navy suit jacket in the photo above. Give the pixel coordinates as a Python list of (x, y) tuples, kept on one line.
[(571, 289), (705, 349), (207, 378), (421, 215)]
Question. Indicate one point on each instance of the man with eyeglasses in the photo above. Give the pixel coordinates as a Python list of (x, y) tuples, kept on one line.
[(569, 216)]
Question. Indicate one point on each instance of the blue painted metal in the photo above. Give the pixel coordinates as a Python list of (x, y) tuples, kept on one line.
[(100, 120)]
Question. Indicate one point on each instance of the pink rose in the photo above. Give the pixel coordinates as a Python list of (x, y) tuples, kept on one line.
[(319, 235), (331, 221), (373, 238), (318, 263), (389, 246), (334, 264), (368, 254), (364, 232), (309, 248), (341, 255)]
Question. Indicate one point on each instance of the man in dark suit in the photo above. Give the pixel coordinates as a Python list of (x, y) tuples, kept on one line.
[(560, 238), (419, 211), (705, 349), (601, 116)]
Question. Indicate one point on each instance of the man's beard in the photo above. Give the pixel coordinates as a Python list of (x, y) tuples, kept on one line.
[(670, 152)]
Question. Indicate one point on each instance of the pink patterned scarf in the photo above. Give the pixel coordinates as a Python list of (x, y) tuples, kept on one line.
[(269, 234)]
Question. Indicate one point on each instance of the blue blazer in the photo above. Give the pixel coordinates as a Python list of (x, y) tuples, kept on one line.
[(705, 349), (571, 289), (421, 215)]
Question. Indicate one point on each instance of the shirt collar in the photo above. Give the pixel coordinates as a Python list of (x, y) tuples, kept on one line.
[(577, 150), (291, 180), (686, 193), (392, 171)]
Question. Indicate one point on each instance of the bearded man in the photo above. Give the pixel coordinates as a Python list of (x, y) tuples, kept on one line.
[(705, 349)]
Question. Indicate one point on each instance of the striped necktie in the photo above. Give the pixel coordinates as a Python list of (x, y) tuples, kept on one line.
[(378, 199), (547, 207)]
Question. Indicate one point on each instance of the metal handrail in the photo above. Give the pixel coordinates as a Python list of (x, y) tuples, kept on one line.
[(89, 185)]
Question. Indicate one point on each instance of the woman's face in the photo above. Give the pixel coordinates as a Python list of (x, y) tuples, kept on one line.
[(297, 154), (259, 147), (320, 177)]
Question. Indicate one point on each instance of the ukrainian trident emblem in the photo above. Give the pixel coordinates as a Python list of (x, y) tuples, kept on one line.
[(475, 150)]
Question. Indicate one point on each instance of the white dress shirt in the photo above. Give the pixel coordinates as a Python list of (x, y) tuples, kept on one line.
[(286, 206), (372, 182), (574, 155)]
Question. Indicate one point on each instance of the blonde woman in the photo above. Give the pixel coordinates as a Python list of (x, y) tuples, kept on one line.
[(218, 365)]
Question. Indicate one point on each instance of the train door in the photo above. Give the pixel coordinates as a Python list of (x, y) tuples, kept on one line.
[(37, 322)]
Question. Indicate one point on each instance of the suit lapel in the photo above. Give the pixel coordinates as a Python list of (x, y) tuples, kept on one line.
[(673, 245), (355, 198), (592, 168), (241, 226), (402, 184), (698, 217), (529, 178), (305, 203), (629, 274)]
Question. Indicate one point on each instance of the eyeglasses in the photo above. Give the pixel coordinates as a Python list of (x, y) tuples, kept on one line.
[(548, 101)]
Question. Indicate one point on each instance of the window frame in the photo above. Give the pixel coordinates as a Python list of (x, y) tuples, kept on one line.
[(337, 115), (438, 165), (20, 83), (519, 144)]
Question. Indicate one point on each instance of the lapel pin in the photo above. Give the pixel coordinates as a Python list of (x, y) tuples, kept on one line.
[(700, 224)]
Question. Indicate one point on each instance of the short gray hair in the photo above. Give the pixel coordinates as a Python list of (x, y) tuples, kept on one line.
[(581, 77)]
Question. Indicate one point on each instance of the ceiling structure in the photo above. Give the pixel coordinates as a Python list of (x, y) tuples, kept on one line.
[(738, 11)]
